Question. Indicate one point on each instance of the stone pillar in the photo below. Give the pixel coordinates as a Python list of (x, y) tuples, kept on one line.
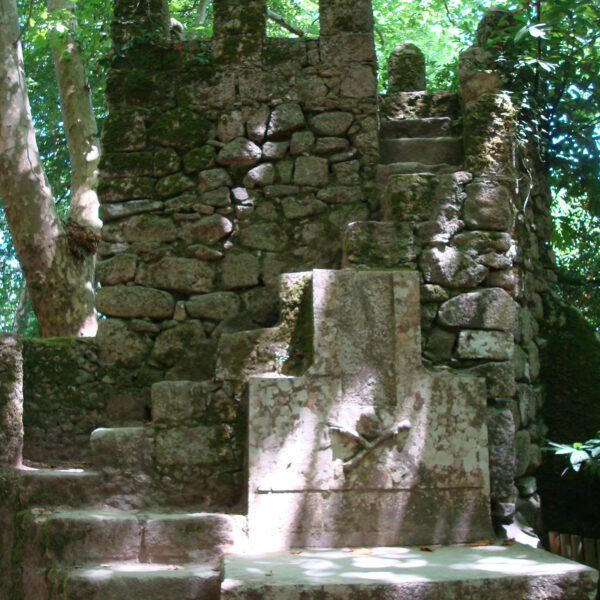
[(406, 69), (140, 20), (346, 16), (239, 30), (11, 401)]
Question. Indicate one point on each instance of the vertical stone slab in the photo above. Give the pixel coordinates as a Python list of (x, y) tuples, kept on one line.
[(11, 401), (238, 30), (367, 447), (406, 69), (142, 20)]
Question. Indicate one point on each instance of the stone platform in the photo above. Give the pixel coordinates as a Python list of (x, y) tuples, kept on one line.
[(514, 572)]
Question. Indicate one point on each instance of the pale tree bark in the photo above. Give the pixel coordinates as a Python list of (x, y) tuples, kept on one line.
[(81, 130), (56, 264)]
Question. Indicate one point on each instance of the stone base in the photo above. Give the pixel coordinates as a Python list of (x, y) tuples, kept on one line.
[(487, 572)]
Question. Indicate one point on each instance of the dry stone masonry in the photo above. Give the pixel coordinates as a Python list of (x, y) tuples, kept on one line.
[(322, 328)]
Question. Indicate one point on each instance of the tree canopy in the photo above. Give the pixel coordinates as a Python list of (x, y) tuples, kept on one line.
[(553, 64)]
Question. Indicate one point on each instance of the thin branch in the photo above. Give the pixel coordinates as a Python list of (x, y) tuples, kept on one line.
[(27, 23), (281, 21), (378, 32), (202, 11), (448, 14)]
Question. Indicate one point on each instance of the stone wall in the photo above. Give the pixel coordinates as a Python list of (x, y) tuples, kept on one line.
[(230, 161), (225, 164)]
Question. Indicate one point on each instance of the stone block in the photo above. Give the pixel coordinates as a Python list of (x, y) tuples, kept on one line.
[(230, 126), (377, 244), (185, 275), (180, 128), (166, 162), (285, 119), (211, 179), (261, 175), (216, 306), (298, 207), (186, 538), (312, 171), (451, 268), (172, 343), (268, 236), (208, 230), (491, 308), (240, 270), (187, 446), (134, 301), (117, 344), (499, 378), (501, 446), (331, 124), (119, 210), (485, 345), (128, 188), (140, 228), (124, 130), (240, 152), (177, 400), (340, 194), (128, 449), (301, 142)]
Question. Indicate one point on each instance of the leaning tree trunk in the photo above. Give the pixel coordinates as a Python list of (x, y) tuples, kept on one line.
[(54, 263)]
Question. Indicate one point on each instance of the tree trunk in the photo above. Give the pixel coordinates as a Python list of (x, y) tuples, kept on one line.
[(80, 126), (55, 266)]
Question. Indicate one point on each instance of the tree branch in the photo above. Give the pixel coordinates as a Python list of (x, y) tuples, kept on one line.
[(283, 23), (27, 23)]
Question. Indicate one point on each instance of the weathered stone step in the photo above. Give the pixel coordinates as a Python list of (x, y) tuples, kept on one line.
[(420, 105), (417, 128), (87, 536), (128, 449), (429, 151), (195, 537), (131, 581), (487, 573), (59, 487), (384, 172)]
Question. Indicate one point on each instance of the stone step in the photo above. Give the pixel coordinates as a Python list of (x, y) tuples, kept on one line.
[(489, 572), (190, 537), (419, 105), (128, 449), (59, 487), (384, 172), (88, 536), (429, 151), (134, 581), (418, 128)]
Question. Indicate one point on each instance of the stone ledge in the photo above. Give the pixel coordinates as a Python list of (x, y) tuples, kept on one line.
[(500, 572)]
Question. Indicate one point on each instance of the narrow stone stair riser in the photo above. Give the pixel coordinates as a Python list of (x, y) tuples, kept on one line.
[(186, 538), (128, 449), (137, 582), (429, 151), (85, 537), (57, 487), (80, 537), (418, 128)]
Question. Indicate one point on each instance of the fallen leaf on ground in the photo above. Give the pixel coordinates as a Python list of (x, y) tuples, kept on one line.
[(174, 568), (481, 543), (295, 551), (426, 549), (508, 542), (269, 574), (361, 551)]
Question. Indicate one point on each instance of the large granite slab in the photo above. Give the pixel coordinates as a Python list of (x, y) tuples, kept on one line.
[(486, 573), (366, 447)]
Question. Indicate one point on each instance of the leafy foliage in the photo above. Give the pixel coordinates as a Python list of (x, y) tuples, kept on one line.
[(582, 456), (553, 57)]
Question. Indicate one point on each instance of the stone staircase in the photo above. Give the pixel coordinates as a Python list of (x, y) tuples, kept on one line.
[(97, 533), (347, 431)]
